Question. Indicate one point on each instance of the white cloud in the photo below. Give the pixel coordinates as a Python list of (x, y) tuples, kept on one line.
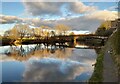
[(41, 8), (9, 19), (54, 8), (79, 7), (104, 15), (89, 22), (81, 23)]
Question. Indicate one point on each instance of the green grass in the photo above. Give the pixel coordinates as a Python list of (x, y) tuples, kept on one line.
[(114, 41), (98, 69)]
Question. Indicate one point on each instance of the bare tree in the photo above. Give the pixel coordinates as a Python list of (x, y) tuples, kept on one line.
[(19, 31), (37, 32), (62, 29), (22, 30), (45, 31), (14, 33)]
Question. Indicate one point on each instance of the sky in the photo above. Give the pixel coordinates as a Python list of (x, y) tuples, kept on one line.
[(79, 16)]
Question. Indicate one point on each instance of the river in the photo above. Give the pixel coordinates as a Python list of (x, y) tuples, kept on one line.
[(40, 63)]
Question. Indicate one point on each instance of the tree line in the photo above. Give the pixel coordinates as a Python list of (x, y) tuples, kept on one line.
[(20, 31)]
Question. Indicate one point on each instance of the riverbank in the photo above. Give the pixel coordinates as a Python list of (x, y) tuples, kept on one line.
[(107, 67), (98, 69), (110, 72), (53, 41), (114, 44)]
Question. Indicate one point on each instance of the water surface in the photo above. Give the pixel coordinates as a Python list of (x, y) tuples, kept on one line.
[(39, 63)]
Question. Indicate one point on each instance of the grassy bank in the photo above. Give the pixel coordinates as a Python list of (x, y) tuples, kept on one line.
[(114, 41), (114, 44), (98, 69)]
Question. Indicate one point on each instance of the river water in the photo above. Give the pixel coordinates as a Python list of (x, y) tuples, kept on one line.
[(39, 63)]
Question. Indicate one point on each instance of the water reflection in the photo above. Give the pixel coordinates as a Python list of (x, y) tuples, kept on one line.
[(50, 63), (24, 52), (49, 69)]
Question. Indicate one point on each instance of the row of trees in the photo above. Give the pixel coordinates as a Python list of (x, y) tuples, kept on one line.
[(24, 31)]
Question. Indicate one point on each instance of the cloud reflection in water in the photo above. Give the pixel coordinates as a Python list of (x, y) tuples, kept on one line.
[(50, 69)]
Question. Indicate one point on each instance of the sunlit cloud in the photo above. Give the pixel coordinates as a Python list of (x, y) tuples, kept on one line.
[(89, 18), (104, 15), (9, 19), (88, 22), (79, 7)]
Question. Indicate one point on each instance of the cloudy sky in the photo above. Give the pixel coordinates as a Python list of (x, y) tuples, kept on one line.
[(78, 15)]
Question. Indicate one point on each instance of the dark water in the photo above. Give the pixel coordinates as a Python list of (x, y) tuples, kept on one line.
[(39, 63)]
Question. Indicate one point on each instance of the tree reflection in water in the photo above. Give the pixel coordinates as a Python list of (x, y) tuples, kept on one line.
[(24, 52)]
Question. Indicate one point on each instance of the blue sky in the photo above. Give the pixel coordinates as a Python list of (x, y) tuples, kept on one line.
[(12, 8), (103, 5), (19, 9)]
